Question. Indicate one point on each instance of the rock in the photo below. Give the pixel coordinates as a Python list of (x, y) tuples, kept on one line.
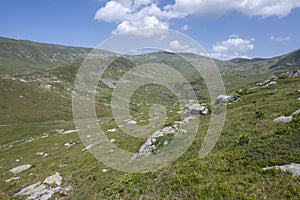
[(12, 179), (166, 143), (41, 191), (187, 119), (298, 99), (112, 130), (19, 169), (195, 109), (283, 119), (293, 168), (298, 90), (69, 131), (54, 179), (296, 112), (112, 140), (131, 122), (294, 74), (224, 99), (40, 153), (104, 170), (88, 147), (270, 84), (36, 189)]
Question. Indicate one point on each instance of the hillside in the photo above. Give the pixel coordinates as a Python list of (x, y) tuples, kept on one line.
[(21, 55), (37, 130)]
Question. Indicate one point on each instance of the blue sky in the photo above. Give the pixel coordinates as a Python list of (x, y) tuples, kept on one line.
[(226, 29)]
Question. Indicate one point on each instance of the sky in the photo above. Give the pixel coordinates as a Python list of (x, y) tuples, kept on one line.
[(226, 29)]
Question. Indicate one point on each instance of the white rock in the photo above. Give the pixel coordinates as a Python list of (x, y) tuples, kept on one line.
[(112, 130), (69, 131), (166, 143), (54, 179), (270, 84), (131, 122), (40, 153), (224, 99), (20, 168), (298, 99), (293, 168), (88, 147), (112, 140), (296, 112), (104, 170), (283, 119), (12, 179)]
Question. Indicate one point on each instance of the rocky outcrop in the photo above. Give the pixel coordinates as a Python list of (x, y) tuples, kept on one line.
[(44, 191), (149, 147)]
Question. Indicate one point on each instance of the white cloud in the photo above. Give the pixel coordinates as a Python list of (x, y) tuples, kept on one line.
[(280, 39), (233, 47), (185, 27), (151, 23), (176, 47), (134, 14)]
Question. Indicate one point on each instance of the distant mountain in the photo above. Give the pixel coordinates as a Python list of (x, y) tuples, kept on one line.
[(289, 60), (20, 55)]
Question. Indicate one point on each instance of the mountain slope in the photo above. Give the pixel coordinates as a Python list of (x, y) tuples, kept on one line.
[(19, 55)]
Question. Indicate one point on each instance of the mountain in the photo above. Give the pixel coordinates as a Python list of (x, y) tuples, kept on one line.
[(23, 55), (37, 129)]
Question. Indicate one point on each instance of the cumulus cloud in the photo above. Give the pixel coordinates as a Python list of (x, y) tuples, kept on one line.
[(280, 39), (185, 27), (233, 47), (134, 14), (176, 46)]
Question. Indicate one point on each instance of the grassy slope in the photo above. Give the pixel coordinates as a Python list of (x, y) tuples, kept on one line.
[(231, 171)]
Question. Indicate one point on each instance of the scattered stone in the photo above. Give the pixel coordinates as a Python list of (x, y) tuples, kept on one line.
[(88, 147), (69, 131), (20, 168), (225, 99), (187, 119), (166, 143), (131, 122), (283, 119), (54, 179), (298, 99), (293, 168), (270, 84), (195, 109), (296, 112), (60, 131), (40, 153), (69, 144), (112, 140), (104, 170), (12, 179), (298, 90), (45, 135), (17, 160), (112, 130), (48, 86)]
